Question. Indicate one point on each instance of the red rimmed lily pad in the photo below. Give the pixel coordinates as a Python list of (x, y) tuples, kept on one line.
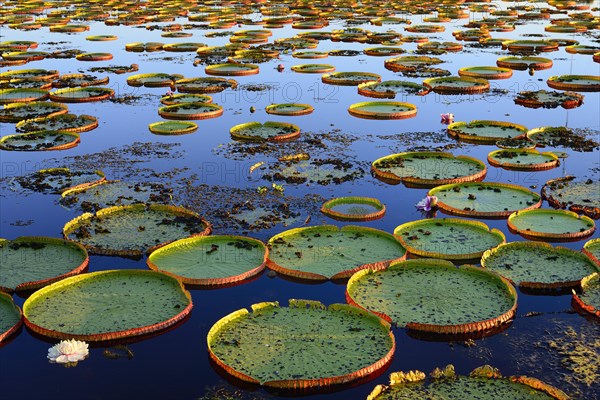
[(549, 99), (22, 95), (11, 317), (268, 131), (16, 112), (588, 300), (40, 141), (191, 111), (232, 69), (483, 131), (172, 127), (557, 225), (313, 68), (350, 78), (205, 85), (486, 72), (153, 79), (354, 208), (383, 110), (289, 109), (523, 159), (457, 85), (523, 63), (578, 83), (94, 57), (580, 196), (592, 250), (62, 122), (81, 94), (171, 99)]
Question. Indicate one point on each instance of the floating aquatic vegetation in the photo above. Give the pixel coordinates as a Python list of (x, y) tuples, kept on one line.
[(523, 159), (482, 382), (327, 252), (81, 94), (389, 89), (537, 266), (448, 238), (116, 69), (57, 180), (299, 169), (588, 300), (383, 51), (79, 80), (457, 85), (530, 46), (354, 208), (289, 109), (141, 302), (22, 95), (383, 110), (481, 131), (101, 38), (350, 78), (428, 169), (172, 127), (169, 98), (523, 63), (94, 57), (485, 199), (16, 112), (32, 262), (205, 85), (231, 69), (516, 143), (434, 296), (542, 224), (549, 99), (576, 195), (486, 72), (267, 131), (313, 68), (11, 317), (592, 250), (578, 83), (305, 345), (63, 122), (191, 111), (153, 80), (39, 141), (211, 260)]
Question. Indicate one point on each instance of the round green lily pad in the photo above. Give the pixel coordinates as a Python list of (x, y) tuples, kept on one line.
[(516, 143), (485, 199), (231, 69), (448, 238), (424, 168), (134, 229), (589, 298), (205, 85), (410, 63), (327, 252), (305, 345), (486, 72), (529, 46), (30, 74), (592, 250), (63, 122), (11, 317), (79, 80), (354, 208), (551, 224), (169, 100), (457, 85), (141, 46), (16, 112), (267, 131), (69, 28), (26, 56), (57, 180), (310, 54), (383, 110), (484, 382), (31, 262), (40, 141), (523, 63), (483, 131), (172, 127), (577, 83), (383, 51), (153, 79), (81, 94), (523, 159), (101, 38), (22, 95), (183, 47), (549, 99), (313, 68), (538, 265), (389, 89), (350, 78), (579, 196), (107, 305), (289, 109), (435, 296), (191, 111), (211, 260)]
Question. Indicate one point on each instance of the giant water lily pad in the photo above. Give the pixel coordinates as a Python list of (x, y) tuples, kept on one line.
[(204, 85), (457, 85), (428, 168), (232, 69), (134, 229), (523, 63), (485, 199), (448, 238), (577, 83), (592, 249), (549, 99), (354, 208), (211, 260), (483, 131), (389, 89), (579, 196), (523, 159), (16, 112), (482, 383), (529, 46), (153, 79), (435, 296), (589, 298), (289, 109), (551, 224), (30, 262), (350, 78), (81, 94), (40, 141), (268, 131), (22, 95), (11, 317), (313, 68), (302, 346), (410, 63), (79, 80), (383, 110), (537, 265), (30, 74), (107, 305), (486, 72), (191, 111), (62, 122), (327, 252), (169, 100), (172, 127), (57, 180)]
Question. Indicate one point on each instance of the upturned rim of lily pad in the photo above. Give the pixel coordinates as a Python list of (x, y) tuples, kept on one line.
[(170, 112), (236, 131), (226, 281), (58, 83), (500, 72), (313, 68), (184, 127), (59, 107), (529, 45), (279, 109), (180, 85), (529, 234), (570, 100), (483, 214), (108, 336), (30, 94), (576, 300), (590, 211), (69, 28), (345, 78), (94, 56), (93, 94), (45, 74), (139, 79), (586, 250), (169, 100), (299, 385), (477, 85), (327, 208), (558, 82), (453, 131), (239, 69), (484, 372), (76, 222), (93, 122), (523, 63), (75, 139), (484, 228), (415, 181), (33, 285), (15, 328), (450, 329), (553, 161), (101, 38), (364, 89), (355, 110)]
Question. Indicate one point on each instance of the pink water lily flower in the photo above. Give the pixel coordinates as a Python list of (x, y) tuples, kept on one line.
[(427, 204), (68, 352), (447, 118)]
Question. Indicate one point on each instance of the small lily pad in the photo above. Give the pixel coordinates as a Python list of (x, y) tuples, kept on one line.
[(11, 317), (313, 68), (268, 131), (551, 224), (289, 109), (350, 78), (191, 111), (232, 69), (172, 127), (592, 250), (389, 89), (354, 208), (486, 72), (523, 159), (169, 100)]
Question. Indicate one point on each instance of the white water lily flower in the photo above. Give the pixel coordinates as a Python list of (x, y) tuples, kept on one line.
[(68, 351)]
